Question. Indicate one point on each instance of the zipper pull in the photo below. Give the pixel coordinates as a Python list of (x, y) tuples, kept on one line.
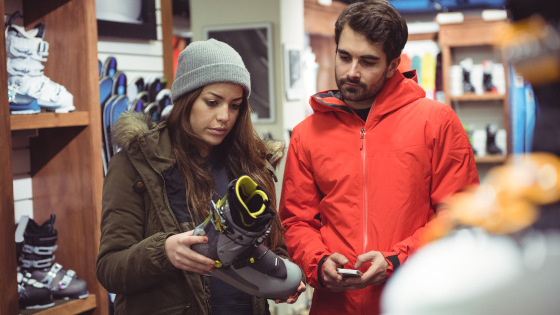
[(362, 137)]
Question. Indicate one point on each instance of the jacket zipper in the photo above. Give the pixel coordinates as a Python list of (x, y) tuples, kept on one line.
[(365, 218)]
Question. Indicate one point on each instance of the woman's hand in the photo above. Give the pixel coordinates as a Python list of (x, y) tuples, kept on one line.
[(292, 299), (179, 252)]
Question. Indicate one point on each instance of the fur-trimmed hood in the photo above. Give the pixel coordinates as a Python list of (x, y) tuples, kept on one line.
[(129, 127)]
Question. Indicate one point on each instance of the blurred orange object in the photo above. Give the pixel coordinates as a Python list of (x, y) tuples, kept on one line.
[(507, 200)]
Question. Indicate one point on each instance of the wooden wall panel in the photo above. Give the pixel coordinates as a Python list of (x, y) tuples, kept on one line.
[(9, 297), (320, 19), (324, 49)]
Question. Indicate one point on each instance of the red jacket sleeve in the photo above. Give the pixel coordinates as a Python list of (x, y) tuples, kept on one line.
[(299, 210), (453, 169)]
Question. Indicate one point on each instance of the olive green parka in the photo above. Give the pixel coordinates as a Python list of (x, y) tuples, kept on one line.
[(136, 220)]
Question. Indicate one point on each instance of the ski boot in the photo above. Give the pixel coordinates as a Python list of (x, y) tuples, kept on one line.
[(491, 147), (25, 52), (37, 260), (236, 228), (32, 293), (466, 66), (487, 81)]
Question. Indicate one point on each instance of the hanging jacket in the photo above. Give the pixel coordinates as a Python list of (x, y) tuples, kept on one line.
[(142, 194), (353, 187)]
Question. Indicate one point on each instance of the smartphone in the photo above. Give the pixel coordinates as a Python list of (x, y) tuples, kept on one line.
[(349, 272)]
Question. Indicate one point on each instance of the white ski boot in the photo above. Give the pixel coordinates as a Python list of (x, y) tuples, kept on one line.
[(236, 228), (26, 50)]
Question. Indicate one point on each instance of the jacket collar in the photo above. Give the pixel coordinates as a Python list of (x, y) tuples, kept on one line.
[(144, 141), (400, 90)]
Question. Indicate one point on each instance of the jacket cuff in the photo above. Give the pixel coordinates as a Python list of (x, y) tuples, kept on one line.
[(393, 261), (320, 270), (161, 255)]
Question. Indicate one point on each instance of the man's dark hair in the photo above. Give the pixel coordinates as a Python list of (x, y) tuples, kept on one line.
[(379, 22)]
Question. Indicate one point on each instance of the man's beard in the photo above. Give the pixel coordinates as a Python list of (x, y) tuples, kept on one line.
[(358, 94), (351, 93)]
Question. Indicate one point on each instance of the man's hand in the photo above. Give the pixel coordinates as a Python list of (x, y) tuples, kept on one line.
[(375, 275), (334, 281)]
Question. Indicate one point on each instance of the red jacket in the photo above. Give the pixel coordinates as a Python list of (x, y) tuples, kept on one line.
[(353, 187)]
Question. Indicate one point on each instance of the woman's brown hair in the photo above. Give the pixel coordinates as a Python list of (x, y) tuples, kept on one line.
[(245, 154)]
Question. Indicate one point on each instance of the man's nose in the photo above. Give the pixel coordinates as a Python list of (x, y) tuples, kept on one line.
[(354, 71)]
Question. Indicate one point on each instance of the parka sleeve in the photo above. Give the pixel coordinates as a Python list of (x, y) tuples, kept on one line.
[(299, 211), (128, 261), (453, 169)]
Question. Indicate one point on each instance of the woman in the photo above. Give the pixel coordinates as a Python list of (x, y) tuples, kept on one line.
[(158, 188)]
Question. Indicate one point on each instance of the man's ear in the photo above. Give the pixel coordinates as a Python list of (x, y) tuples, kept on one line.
[(393, 65)]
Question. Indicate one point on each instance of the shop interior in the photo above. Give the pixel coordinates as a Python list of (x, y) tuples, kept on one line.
[(466, 54)]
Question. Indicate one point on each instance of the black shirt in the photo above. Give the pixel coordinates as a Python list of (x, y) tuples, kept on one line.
[(363, 113)]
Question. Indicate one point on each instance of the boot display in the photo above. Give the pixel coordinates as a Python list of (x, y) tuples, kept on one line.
[(36, 258), (236, 228), (25, 52)]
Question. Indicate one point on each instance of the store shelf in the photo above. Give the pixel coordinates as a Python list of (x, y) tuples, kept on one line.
[(66, 307), (49, 120), (65, 163), (478, 97), (490, 159), (422, 36), (470, 33), (476, 38)]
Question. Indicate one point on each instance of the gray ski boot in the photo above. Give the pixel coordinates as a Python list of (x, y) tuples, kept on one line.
[(236, 228)]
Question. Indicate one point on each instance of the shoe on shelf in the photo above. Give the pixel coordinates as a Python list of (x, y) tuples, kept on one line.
[(26, 51), (491, 147), (36, 258), (50, 95)]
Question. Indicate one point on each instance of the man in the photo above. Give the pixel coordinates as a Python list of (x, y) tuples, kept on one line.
[(367, 171)]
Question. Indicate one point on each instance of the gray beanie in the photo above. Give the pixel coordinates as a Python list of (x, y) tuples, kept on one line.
[(206, 62)]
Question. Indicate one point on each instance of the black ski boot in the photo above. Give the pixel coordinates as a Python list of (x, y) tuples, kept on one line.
[(487, 81), (236, 228), (491, 147), (467, 65), (37, 259), (32, 293)]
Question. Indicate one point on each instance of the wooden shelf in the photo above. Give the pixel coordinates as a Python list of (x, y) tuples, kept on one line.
[(66, 307), (481, 36), (471, 33), (478, 97), (491, 159), (64, 156), (422, 36), (49, 120)]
